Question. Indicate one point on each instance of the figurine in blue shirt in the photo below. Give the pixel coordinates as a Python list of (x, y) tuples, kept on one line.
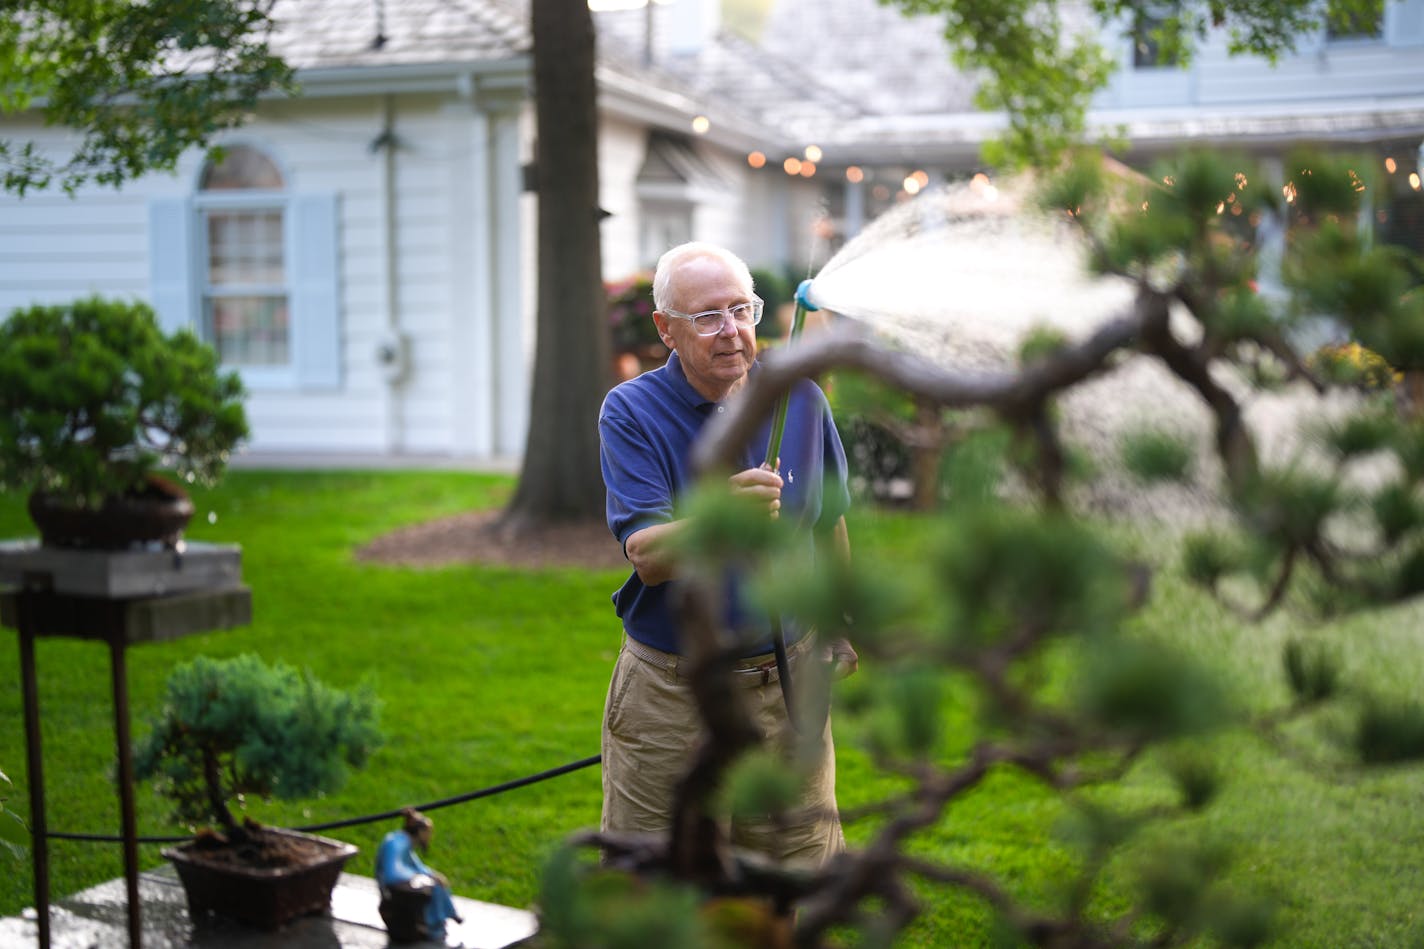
[(400, 869)]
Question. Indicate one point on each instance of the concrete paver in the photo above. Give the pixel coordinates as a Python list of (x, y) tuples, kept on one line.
[(97, 918)]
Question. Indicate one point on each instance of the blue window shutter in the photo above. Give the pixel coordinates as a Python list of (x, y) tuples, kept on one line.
[(316, 291), (171, 258), (1407, 25)]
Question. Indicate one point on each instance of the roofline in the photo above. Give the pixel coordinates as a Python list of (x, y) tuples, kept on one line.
[(619, 94), (627, 97), (956, 138), (511, 74)]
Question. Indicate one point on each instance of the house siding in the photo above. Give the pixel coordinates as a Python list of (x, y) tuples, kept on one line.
[(1318, 71), (54, 248)]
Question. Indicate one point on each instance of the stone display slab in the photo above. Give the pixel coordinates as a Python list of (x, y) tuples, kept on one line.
[(133, 621), (122, 574)]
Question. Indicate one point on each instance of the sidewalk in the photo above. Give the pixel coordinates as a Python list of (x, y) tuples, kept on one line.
[(97, 918), (339, 461)]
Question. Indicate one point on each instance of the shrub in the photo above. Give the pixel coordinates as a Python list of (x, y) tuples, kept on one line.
[(94, 397), (237, 726)]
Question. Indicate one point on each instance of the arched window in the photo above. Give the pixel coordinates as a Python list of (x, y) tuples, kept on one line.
[(242, 208)]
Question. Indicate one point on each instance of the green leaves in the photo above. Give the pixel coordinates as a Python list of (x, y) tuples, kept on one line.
[(1157, 456), (589, 908), (237, 726), (1003, 571), (1148, 690), (760, 784), (94, 396), (172, 75)]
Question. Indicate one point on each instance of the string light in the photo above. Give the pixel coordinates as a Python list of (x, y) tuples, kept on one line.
[(813, 153), (792, 165), (757, 160), (1390, 166), (854, 175), (701, 124)]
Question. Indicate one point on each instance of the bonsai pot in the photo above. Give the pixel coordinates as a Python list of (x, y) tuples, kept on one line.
[(217, 881), (156, 513)]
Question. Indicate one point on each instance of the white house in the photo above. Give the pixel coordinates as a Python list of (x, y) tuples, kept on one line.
[(1361, 89), (364, 253)]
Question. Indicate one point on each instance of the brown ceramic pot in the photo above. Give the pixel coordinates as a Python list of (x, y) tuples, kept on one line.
[(157, 513)]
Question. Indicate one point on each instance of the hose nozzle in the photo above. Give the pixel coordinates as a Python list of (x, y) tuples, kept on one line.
[(803, 296)]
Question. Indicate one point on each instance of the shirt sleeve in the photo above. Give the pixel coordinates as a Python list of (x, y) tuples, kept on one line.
[(392, 859), (639, 485)]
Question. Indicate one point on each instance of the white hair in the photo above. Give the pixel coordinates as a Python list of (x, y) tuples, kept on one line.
[(670, 261)]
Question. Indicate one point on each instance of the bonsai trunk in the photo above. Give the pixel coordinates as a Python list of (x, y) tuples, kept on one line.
[(217, 801)]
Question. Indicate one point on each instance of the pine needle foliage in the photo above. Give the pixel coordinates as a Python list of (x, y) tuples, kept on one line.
[(236, 727), (94, 397)]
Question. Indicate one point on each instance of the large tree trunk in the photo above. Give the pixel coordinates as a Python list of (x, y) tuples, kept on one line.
[(560, 480)]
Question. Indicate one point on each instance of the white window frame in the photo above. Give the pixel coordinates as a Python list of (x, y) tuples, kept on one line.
[(177, 256), (254, 199)]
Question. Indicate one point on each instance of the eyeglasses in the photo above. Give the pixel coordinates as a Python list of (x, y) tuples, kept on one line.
[(710, 322)]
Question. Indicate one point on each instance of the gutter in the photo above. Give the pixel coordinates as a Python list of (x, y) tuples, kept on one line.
[(513, 75)]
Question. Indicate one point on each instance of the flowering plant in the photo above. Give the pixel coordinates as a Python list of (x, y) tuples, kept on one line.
[(630, 313)]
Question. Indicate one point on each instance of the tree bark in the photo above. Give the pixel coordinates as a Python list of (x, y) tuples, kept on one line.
[(560, 480)]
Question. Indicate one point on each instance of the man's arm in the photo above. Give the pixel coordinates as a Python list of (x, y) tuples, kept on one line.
[(652, 549)]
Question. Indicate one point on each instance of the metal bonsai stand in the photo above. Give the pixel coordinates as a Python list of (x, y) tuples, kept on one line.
[(122, 598)]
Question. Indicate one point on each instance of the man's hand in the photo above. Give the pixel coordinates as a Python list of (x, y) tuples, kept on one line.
[(761, 484), (844, 657)]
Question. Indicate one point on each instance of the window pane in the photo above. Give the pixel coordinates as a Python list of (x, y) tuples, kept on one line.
[(250, 330), (245, 248), (1147, 52), (1356, 27), (241, 167)]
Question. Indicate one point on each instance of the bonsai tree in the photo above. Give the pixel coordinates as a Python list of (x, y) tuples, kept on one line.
[(1020, 614), (94, 398), (235, 727)]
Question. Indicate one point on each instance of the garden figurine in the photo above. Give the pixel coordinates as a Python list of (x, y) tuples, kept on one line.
[(415, 900)]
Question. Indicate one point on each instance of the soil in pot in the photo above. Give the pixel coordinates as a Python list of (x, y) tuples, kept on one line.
[(156, 513), (266, 879)]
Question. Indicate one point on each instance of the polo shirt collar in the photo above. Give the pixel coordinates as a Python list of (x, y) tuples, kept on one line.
[(684, 390)]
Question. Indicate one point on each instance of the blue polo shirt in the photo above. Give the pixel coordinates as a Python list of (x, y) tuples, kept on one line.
[(646, 429)]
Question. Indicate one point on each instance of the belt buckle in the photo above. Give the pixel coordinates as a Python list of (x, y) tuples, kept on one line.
[(765, 669)]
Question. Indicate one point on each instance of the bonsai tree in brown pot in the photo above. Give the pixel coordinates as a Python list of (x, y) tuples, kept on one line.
[(235, 729), (95, 401)]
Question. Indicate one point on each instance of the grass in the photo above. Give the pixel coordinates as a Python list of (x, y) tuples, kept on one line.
[(490, 674)]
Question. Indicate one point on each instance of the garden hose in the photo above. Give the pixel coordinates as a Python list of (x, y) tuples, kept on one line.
[(773, 461)]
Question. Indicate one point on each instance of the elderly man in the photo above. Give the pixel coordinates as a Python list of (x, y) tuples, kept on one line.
[(707, 314)]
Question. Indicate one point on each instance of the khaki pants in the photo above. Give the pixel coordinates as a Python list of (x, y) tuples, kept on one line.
[(651, 726)]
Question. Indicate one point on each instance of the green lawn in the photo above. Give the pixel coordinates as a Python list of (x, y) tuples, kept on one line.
[(490, 674)]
